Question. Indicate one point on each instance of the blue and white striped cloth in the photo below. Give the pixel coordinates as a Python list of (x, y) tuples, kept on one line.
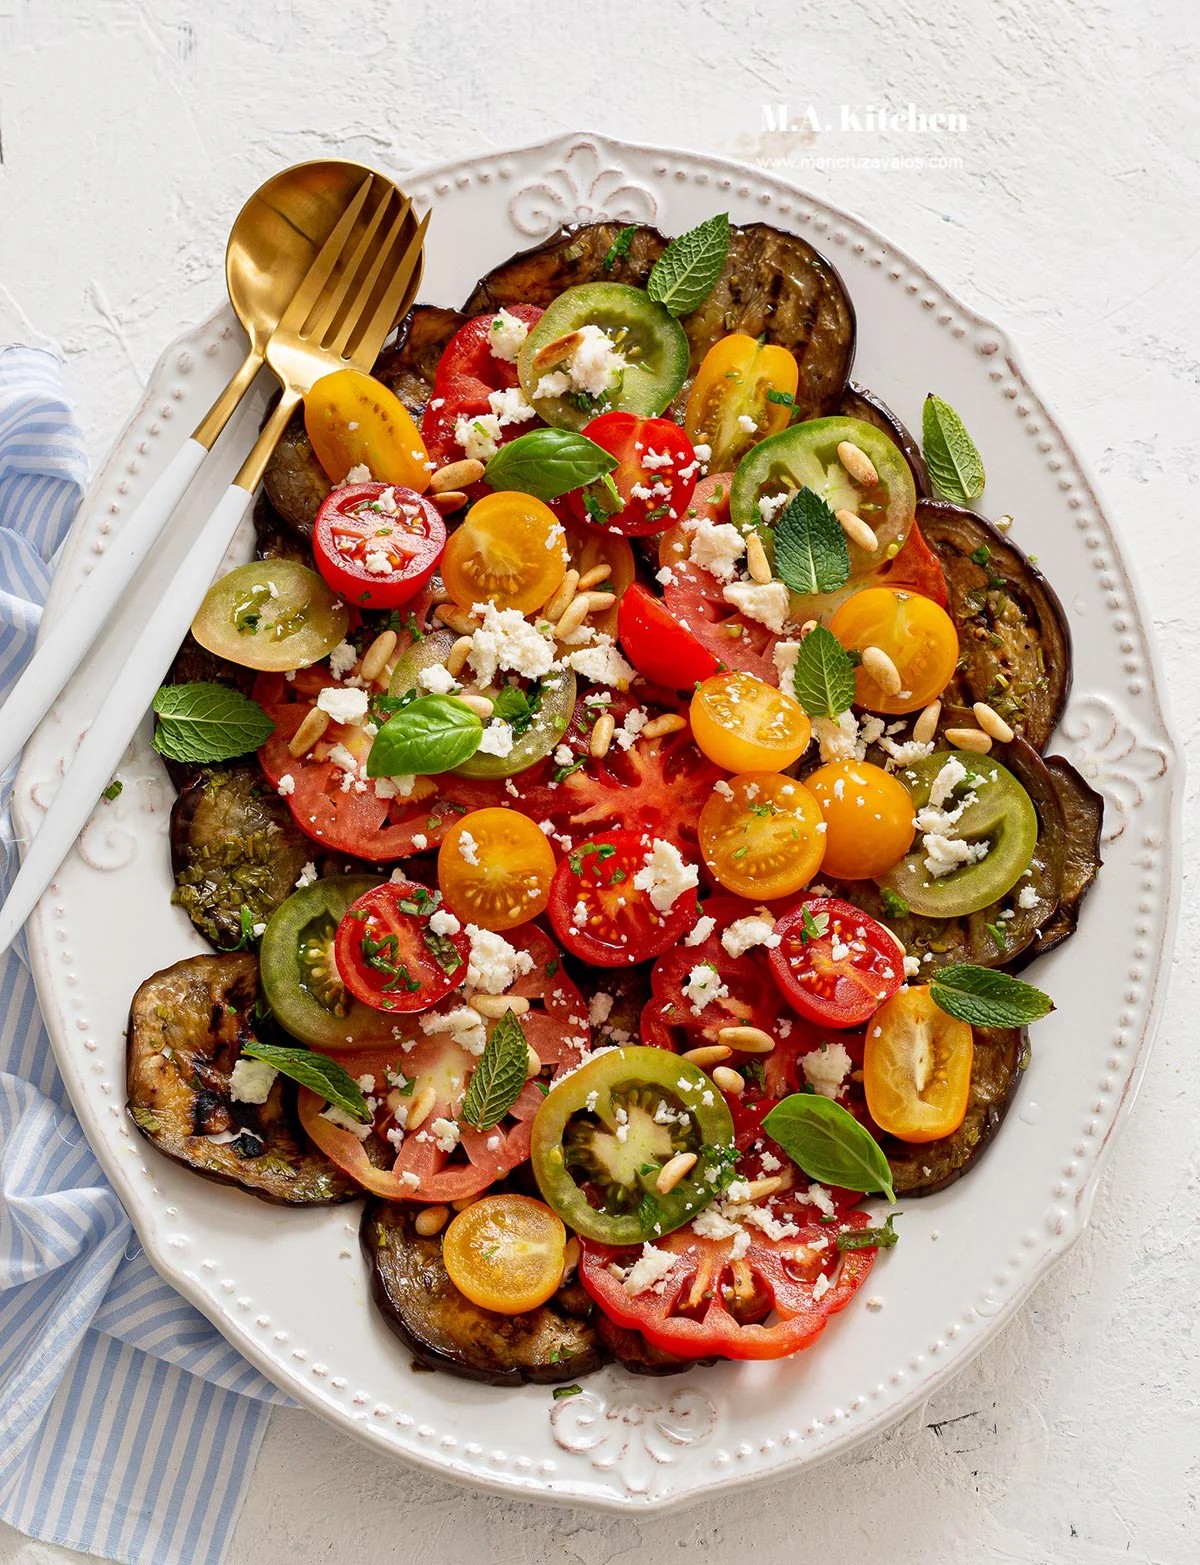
[(129, 1427)]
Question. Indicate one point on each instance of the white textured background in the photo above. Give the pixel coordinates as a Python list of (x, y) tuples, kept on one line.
[(130, 132)]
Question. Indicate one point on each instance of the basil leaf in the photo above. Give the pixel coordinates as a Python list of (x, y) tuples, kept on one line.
[(205, 722), (317, 1072), (811, 553), (548, 463), (497, 1080), (828, 1143), (686, 272), (824, 676), (987, 998), (430, 734), (884, 1238), (952, 457)]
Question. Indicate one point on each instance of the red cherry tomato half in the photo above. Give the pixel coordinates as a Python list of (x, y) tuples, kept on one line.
[(377, 544), (655, 475), (388, 954), (469, 352), (601, 916), (834, 963), (656, 643)]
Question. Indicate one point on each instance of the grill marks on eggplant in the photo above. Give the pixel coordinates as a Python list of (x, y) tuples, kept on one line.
[(187, 1028), (409, 365), (569, 257), (294, 480)]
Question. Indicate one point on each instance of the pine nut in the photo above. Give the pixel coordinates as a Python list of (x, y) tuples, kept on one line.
[(309, 731), (438, 591), (882, 670), (969, 739), (377, 655), (569, 622), (455, 618), (756, 560), (747, 1040), (562, 595), (457, 656), (557, 351), (1003, 523), (807, 628), (729, 1080), (477, 703), (668, 723), (431, 1220), (758, 1189), (449, 501), (857, 531), (602, 735), (707, 1054), (595, 576), (494, 1006), (456, 475), (420, 1108), (857, 463), (673, 1170), (533, 1062), (463, 1202), (599, 601), (571, 1254), (992, 723), (925, 726)]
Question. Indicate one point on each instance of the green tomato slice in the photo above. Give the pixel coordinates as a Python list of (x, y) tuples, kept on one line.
[(805, 457), (652, 342), (604, 1133), (1000, 814), (274, 615), (549, 704)]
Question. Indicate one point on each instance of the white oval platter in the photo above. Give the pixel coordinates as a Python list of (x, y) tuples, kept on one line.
[(289, 1289)]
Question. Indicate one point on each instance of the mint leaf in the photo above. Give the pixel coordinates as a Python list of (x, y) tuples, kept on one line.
[(547, 463), (431, 734), (829, 1144), (204, 722), (823, 677), (951, 456), (497, 1080), (315, 1071), (811, 553), (686, 272), (987, 998)]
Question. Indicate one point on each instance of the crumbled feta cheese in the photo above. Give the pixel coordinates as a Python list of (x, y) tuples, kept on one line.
[(770, 506), (286, 786), (744, 933), (602, 664), (443, 922), (307, 875), (826, 1068), (596, 363), (947, 780), (783, 655), (378, 563), (464, 1024), (250, 1081), (413, 1181), (716, 547), (343, 705), (649, 1271), (912, 966), (445, 1134), (494, 964), (511, 407), (478, 434), (506, 335), (437, 680), (704, 986), (945, 854), (1027, 898), (342, 659), (497, 738), (506, 640), (360, 473), (468, 848), (746, 424), (703, 928), (345, 1121), (556, 384), (665, 875), (766, 602), (821, 1287), (839, 738), (600, 1008)]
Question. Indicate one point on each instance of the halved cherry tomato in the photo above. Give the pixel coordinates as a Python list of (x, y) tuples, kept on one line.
[(746, 725), (737, 373), (459, 395), (917, 1067), (389, 955), (914, 569), (353, 420), (598, 912), (834, 963), (913, 631), (511, 551), (495, 868), (506, 1253), (760, 835), (469, 353), (657, 644), (377, 545), (654, 478), (868, 818), (270, 615)]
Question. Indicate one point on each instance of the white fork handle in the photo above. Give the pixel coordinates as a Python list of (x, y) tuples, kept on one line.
[(61, 650), (122, 710)]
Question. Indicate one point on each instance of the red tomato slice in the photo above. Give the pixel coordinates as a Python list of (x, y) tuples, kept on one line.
[(916, 568), (462, 395), (657, 644), (601, 916), (655, 475), (388, 956), (469, 353), (765, 1304), (835, 964), (377, 544)]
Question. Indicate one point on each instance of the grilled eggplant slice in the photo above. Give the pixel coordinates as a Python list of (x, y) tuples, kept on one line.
[(858, 402), (294, 480), (571, 256), (444, 1330), (409, 365), (1015, 642), (234, 845), (632, 1351), (1083, 815), (187, 1026), (273, 538)]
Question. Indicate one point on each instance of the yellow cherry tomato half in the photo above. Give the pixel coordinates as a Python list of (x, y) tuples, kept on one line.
[(353, 419), (495, 868), (733, 382), (917, 1067), (506, 1253), (868, 815), (511, 551), (916, 633), (746, 725), (761, 835)]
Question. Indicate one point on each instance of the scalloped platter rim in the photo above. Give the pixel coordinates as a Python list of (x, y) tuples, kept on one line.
[(289, 1289)]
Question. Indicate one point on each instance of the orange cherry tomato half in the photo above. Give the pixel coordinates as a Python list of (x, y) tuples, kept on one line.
[(506, 1253), (353, 420), (375, 544), (737, 373), (746, 725), (494, 869), (868, 815), (916, 633), (762, 835), (511, 551), (917, 1067)]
